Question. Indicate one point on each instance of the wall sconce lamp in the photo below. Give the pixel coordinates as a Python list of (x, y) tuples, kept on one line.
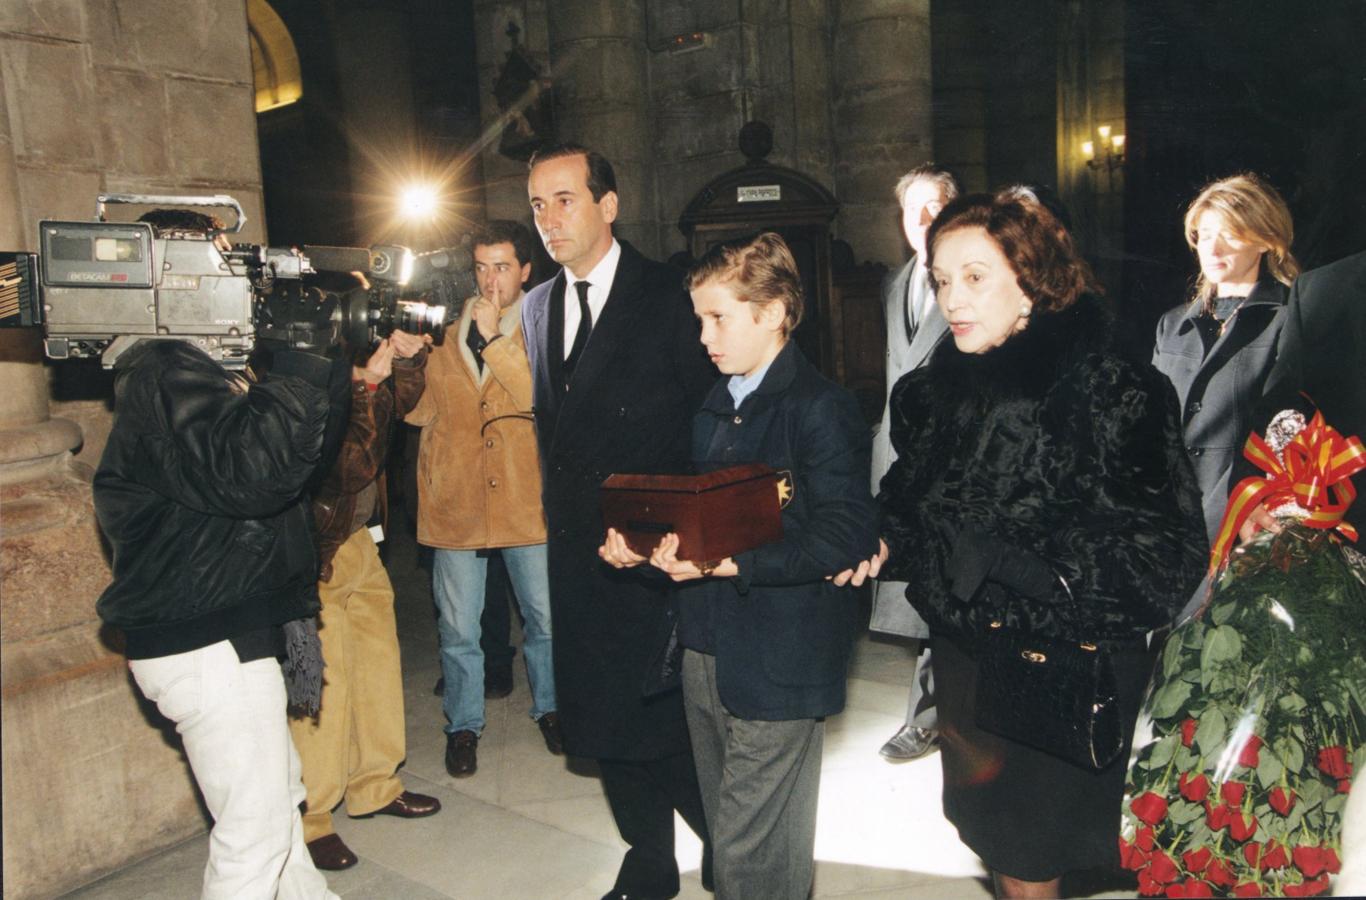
[(1111, 154)]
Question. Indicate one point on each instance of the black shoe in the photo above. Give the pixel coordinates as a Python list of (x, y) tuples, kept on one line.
[(910, 743), (550, 730), (462, 756), (329, 852), (498, 682)]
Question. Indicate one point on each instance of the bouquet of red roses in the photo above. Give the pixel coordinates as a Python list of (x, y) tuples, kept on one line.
[(1258, 718)]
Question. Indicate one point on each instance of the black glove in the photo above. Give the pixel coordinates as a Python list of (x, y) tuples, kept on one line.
[(979, 557)]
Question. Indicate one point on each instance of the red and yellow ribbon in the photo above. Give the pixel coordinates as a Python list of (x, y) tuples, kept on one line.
[(1314, 472)]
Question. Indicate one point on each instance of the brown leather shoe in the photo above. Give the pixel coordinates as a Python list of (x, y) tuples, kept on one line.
[(331, 853), (550, 730), (462, 754), (409, 805)]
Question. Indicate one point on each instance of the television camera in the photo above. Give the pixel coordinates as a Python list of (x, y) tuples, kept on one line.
[(98, 288)]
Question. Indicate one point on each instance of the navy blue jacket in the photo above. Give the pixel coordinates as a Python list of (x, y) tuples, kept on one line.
[(780, 632)]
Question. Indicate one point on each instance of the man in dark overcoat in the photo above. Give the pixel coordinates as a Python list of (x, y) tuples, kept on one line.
[(617, 373), (1319, 364)]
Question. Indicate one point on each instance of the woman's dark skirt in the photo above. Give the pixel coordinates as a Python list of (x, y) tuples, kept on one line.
[(1026, 813)]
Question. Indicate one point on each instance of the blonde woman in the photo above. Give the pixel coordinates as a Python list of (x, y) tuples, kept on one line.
[(1219, 346)]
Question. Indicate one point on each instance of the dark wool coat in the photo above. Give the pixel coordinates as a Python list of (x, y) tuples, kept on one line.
[(629, 409), (1320, 361), (781, 632), (1044, 460), (1218, 390)]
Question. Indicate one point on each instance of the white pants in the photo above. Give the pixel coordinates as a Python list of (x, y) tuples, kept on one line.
[(231, 717)]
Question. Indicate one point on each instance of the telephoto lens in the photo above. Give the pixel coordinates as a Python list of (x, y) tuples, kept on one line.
[(417, 317)]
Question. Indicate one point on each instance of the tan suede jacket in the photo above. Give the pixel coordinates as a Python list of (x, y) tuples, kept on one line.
[(478, 471)]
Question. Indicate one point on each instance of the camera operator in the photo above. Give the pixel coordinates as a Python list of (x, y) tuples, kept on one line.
[(214, 567), (354, 745)]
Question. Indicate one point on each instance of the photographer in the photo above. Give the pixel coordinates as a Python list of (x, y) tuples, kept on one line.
[(198, 493), (353, 746), (480, 488)]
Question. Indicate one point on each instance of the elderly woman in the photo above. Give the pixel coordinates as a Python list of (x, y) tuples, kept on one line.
[(1218, 348), (1041, 488)]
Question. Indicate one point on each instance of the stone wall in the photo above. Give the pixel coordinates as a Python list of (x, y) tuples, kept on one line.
[(767, 62), (844, 84), (883, 117), (504, 180), (959, 74), (1021, 91), (152, 96)]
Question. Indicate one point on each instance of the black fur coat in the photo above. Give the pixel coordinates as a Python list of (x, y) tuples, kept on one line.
[(1042, 484)]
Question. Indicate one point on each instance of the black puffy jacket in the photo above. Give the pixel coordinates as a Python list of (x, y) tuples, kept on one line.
[(198, 493)]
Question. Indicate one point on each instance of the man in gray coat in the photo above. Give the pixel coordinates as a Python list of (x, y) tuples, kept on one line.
[(914, 327)]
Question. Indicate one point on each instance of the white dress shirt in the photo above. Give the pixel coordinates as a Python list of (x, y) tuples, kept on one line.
[(599, 286)]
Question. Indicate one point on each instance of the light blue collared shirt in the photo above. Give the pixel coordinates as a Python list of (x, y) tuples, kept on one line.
[(741, 386)]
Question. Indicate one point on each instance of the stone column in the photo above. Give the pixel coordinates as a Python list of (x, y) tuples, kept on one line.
[(597, 57), (152, 97), (504, 180), (30, 441), (883, 117)]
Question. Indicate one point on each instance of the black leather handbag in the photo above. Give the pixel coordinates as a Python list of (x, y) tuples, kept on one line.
[(1055, 695)]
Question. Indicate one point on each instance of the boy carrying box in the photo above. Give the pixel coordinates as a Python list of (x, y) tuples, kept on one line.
[(767, 633)]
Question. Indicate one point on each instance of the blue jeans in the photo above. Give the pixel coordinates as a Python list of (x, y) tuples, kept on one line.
[(458, 586)]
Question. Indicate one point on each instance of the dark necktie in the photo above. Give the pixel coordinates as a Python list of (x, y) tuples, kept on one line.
[(475, 341), (580, 336), (912, 308), (917, 293)]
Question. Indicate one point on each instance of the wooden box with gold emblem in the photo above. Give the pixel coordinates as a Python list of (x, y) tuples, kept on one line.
[(715, 514)]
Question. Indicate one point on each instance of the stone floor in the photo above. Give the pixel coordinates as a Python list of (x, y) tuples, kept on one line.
[(530, 825)]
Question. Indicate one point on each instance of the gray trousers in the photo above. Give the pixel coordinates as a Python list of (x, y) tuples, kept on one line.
[(920, 705), (760, 784)]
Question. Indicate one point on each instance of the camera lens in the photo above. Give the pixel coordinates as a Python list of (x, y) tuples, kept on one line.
[(416, 317)]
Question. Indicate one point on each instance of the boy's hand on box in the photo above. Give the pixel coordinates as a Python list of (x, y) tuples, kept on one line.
[(665, 558), (616, 553), (866, 569)]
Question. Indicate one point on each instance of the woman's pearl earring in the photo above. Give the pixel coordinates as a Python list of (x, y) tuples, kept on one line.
[(1025, 309)]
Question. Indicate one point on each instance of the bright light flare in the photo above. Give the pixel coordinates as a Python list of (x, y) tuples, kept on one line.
[(421, 198), (418, 202)]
